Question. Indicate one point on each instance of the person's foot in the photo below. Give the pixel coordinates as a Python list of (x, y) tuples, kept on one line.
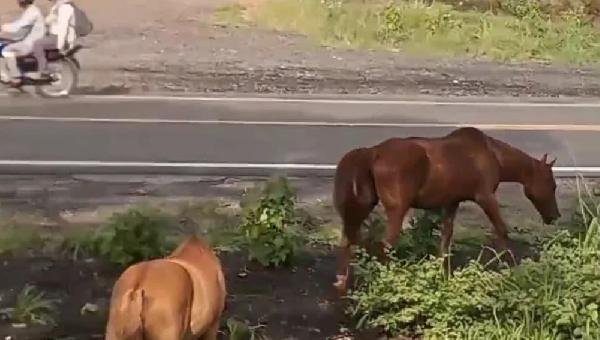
[(15, 82)]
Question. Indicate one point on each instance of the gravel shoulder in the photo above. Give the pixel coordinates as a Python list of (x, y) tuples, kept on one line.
[(173, 46)]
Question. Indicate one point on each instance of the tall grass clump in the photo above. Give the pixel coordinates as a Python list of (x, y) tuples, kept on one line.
[(555, 297), (523, 30), (31, 308)]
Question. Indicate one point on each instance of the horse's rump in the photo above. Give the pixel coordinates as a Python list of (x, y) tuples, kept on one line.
[(141, 303), (353, 185)]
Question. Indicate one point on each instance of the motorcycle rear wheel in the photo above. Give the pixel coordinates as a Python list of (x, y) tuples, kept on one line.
[(66, 76)]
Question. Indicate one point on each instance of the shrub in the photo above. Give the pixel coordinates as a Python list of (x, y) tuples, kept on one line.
[(135, 235), (550, 7), (423, 238), (405, 297), (556, 297), (418, 241), (269, 224), (404, 21)]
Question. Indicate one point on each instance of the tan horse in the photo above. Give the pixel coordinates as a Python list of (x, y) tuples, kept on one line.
[(178, 297), (431, 173)]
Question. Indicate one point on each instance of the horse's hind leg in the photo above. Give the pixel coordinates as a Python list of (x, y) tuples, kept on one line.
[(489, 204), (395, 216), (352, 220), (396, 198)]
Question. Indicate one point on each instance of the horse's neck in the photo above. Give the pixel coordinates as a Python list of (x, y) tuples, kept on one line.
[(515, 165)]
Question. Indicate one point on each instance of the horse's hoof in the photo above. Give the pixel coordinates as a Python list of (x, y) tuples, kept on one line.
[(340, 285)]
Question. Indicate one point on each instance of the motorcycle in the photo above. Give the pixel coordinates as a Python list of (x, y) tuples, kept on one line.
[(64, 72)]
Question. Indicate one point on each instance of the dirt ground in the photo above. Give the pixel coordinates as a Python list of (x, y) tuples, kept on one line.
[(289, 304), (173, 46)]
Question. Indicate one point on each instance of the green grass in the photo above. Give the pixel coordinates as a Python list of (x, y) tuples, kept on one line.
[(437, 30), (230, 15), (353, 25), (15, 238)]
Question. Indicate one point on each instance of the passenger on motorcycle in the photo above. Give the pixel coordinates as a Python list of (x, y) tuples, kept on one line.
[(61, 33), (30, 21)]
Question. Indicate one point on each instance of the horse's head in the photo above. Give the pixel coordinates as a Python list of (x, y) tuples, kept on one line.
[(541, 190)]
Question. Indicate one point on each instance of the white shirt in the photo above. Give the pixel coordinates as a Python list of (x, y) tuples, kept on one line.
[(31, 16), (61, 21)]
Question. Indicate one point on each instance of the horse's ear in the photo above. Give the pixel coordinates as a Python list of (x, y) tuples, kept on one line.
[(551, 164), (544, 158)]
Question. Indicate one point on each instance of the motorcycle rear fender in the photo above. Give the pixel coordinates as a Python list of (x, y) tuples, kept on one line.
[(75, 61)]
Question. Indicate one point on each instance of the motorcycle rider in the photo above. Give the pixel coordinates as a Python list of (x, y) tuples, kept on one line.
[(61, 34), (31, 20)]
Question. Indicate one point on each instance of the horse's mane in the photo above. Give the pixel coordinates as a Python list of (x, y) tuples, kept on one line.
[(506, 149)]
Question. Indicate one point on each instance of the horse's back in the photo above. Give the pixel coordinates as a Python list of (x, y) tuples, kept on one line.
[(468, 133), (441, 170), (463, 164)]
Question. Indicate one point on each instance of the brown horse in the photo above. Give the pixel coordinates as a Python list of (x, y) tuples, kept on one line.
[(432, 173), (181, 296)]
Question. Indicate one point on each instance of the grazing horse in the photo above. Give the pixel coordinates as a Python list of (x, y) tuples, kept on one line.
[(430, 173), (178, 297)]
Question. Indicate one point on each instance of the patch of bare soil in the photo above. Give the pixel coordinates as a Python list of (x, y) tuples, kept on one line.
[(172, 45)]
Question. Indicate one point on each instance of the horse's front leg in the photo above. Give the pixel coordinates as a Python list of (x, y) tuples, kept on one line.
[(489, 204), (447, 231)]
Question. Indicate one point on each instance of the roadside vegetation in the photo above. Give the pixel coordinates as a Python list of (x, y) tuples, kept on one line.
[(553, 295), (502, 30)]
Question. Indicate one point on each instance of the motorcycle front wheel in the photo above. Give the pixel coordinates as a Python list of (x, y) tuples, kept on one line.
[(65, 75)]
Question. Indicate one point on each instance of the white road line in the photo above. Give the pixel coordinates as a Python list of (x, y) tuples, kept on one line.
[(200, 165), (335, 101), (526, 127), (298, 166)]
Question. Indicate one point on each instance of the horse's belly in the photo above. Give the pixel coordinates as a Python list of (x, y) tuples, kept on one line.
[(440, 192)]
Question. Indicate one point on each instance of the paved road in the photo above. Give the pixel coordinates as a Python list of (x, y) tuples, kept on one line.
[(261, 135)]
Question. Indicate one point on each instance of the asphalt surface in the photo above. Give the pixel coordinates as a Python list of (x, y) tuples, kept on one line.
[(261, 136)]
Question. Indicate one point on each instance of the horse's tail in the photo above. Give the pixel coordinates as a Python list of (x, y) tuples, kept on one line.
[(354, 193), (130, 323)]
